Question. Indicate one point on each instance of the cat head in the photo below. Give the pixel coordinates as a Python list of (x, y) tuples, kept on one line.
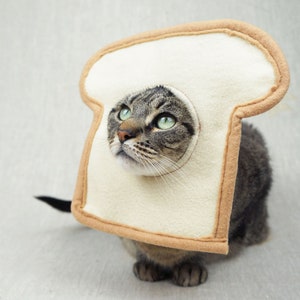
[(149, 132)]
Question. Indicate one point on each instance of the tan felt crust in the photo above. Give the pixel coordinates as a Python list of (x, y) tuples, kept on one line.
[(218, 243)]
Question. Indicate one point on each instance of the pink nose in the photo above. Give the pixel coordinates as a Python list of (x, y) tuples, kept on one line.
[(125, 135)]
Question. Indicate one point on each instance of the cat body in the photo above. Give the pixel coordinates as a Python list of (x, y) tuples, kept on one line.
[(248, 223), (149, 133)]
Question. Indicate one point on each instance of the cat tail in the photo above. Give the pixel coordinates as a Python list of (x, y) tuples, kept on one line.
[(61, 205)]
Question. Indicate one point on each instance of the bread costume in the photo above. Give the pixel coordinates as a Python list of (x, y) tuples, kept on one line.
[(224, 71)]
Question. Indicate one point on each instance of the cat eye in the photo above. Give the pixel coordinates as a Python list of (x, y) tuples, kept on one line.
[(165, 122), (125, 113)]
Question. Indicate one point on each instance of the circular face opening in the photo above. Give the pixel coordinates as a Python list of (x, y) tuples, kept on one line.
[(154, 131)]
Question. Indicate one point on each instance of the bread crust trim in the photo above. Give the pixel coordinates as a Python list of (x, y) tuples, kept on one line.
[(218, 242)]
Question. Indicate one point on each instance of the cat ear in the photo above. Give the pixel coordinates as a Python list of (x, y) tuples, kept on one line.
[(226, 70)]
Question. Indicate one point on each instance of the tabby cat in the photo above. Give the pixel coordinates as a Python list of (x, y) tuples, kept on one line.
[(148, 134)]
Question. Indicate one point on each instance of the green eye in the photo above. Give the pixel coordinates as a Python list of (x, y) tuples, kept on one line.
[(166, 122), (125, 113)]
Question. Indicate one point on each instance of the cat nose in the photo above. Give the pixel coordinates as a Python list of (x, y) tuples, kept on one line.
[(125, 135)]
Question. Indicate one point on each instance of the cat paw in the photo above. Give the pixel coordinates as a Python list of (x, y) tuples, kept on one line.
[(148, 271), (189, 274)]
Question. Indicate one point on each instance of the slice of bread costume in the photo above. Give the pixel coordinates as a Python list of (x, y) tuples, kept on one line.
[(224, 71)]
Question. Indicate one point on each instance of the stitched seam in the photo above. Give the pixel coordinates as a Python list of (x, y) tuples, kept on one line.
[(131, 228)]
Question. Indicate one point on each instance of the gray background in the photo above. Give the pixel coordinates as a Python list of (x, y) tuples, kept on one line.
[(45, 254)]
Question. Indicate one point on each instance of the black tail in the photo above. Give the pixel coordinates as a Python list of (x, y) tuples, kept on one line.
[(59, 204)]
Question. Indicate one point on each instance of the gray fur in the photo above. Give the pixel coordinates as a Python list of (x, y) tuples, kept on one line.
[(248, 223)]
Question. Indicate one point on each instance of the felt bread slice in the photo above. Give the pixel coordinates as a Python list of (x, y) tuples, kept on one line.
[(225, 71)]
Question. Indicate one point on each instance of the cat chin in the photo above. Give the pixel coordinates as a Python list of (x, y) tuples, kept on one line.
[(126, 159), (133, 167), (130, 165)]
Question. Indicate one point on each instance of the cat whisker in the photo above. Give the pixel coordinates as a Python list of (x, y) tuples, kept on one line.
[(160, 166), (152, 169), (145, 164), (171, 178), (143, 154), (160, 174), (165, 159), (148, 150), (160, 170), (165, 163), (171, 148)]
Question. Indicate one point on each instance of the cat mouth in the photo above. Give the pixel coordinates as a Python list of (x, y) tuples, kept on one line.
[(129, 163), (123, 155), (141, 161), (135, 162), (128, 159)]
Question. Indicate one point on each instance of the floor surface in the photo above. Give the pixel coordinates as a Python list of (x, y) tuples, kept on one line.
[(45, 254)]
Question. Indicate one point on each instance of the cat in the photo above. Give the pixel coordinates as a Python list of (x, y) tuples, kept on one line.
[(148, 134)]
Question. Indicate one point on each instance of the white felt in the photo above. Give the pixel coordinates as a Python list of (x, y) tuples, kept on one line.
[(215, 72)]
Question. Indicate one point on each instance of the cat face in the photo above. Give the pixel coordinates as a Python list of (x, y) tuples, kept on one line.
[(149, 132)]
